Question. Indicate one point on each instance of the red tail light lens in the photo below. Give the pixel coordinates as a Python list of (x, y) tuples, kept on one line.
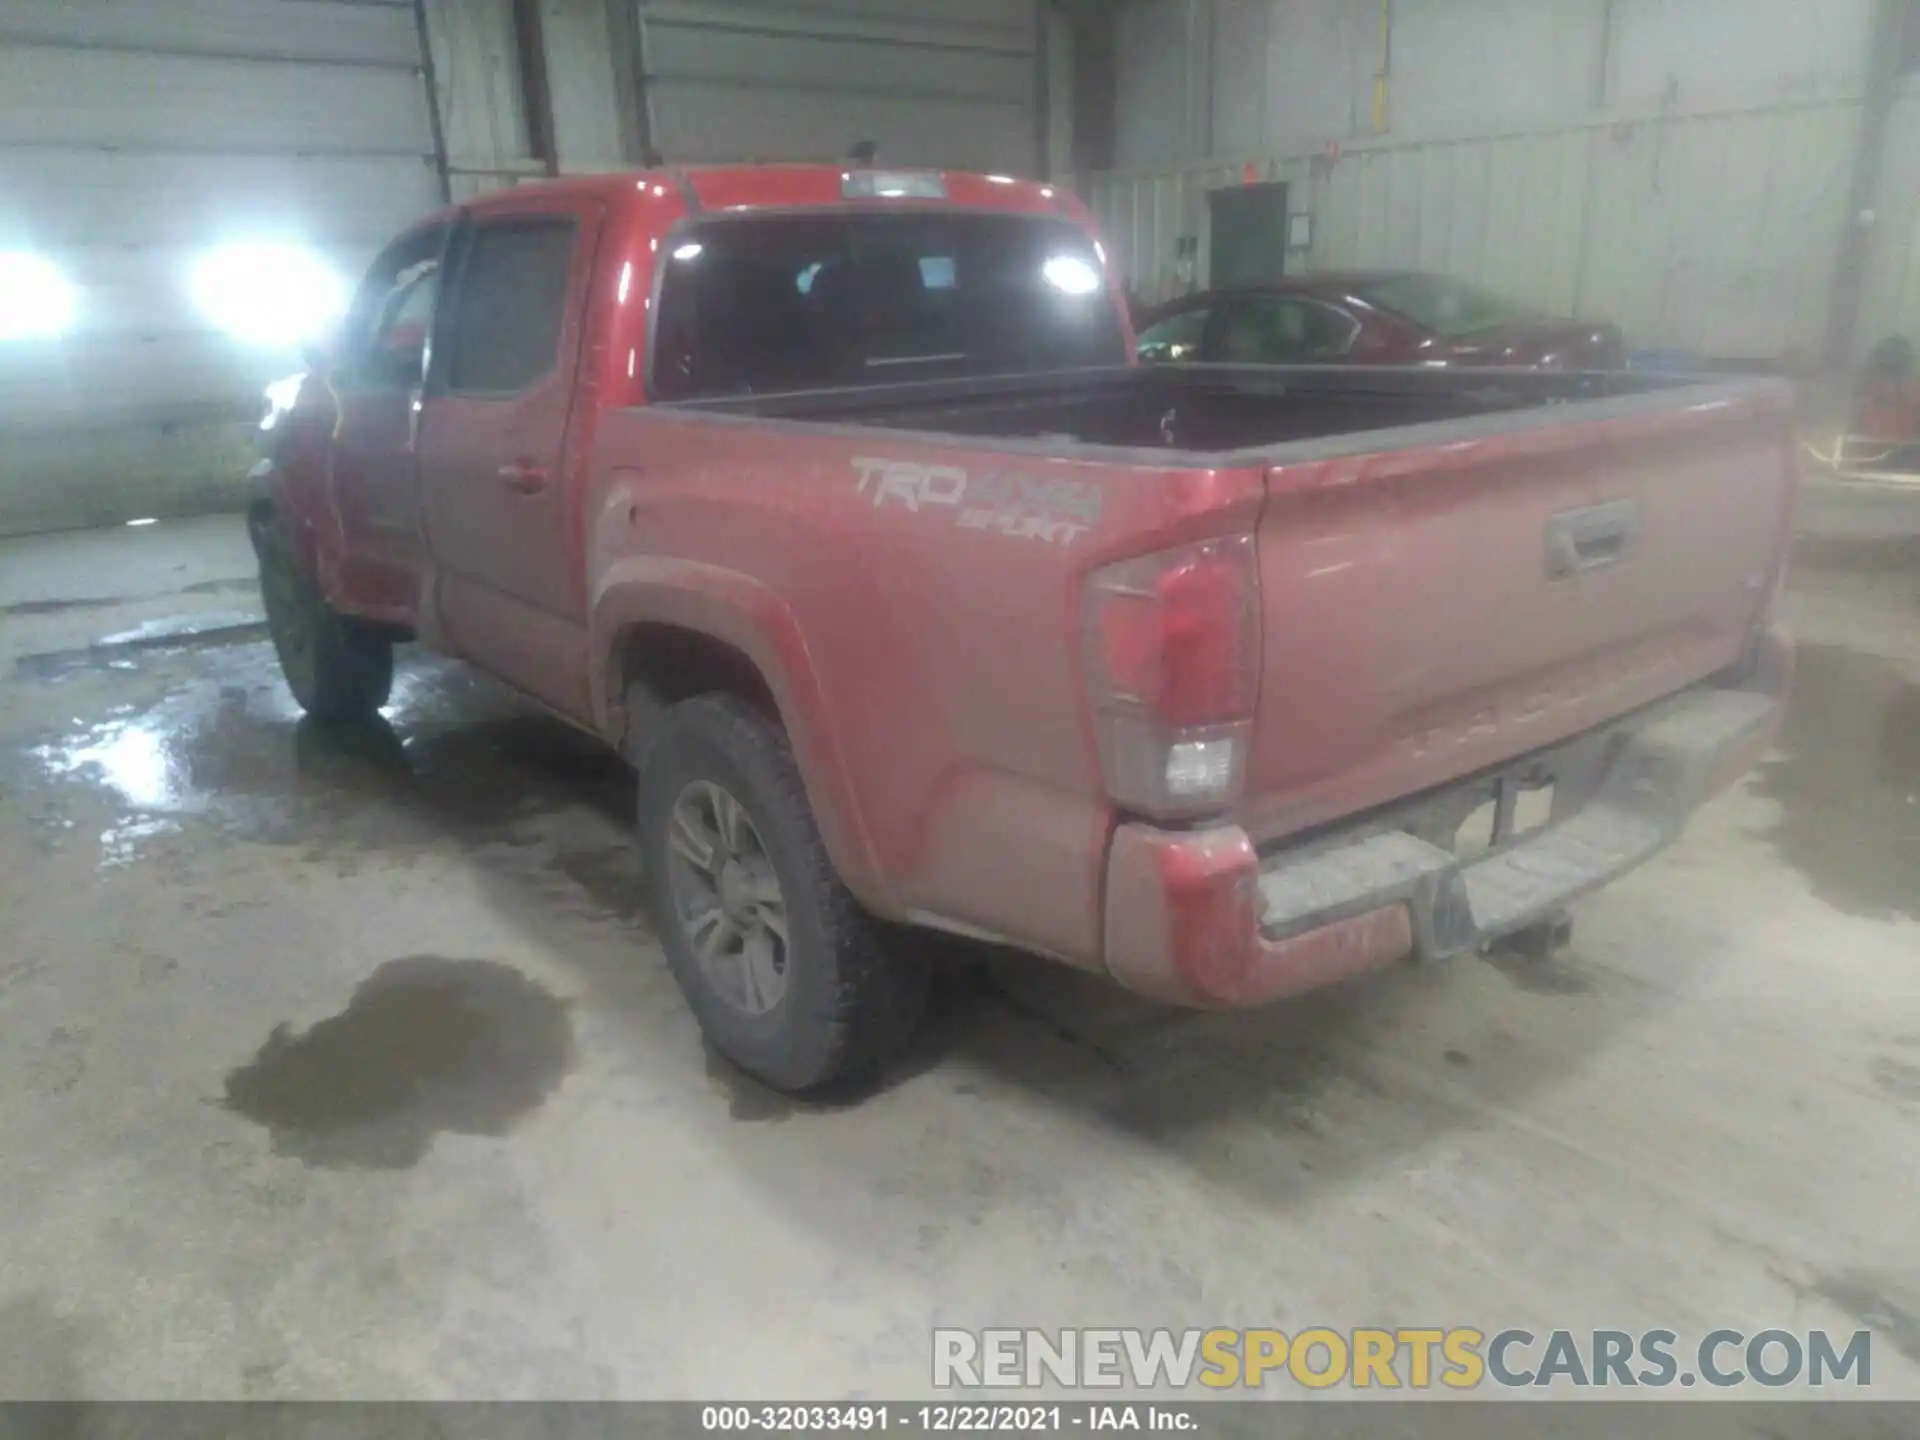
[(1173, 646)]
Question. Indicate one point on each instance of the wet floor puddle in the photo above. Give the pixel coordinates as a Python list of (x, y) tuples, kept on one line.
[(28, 608), (226, 754), (427, 1046), (1848, 783), (457, 758), (122, 650)]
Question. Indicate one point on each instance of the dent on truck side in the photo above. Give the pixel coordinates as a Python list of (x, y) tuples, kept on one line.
[(264, 483), (273, 500), (736, 610), (289, 484)]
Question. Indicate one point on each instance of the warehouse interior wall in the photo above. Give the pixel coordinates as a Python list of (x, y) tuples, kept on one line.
[(1679, 166), (1093, 36), (481, 80), (1288, 75), (986, 86), (1893, 264), (143, 138), (1062, 85), (1151, 97), (163, 164), (1727, 52), (586, 103), (1685, 167)]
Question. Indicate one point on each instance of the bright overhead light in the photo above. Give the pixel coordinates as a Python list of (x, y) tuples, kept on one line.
[(1071, 275), (37, 302), (269, 294), (281, 396), (1001, 179), (692, 250)]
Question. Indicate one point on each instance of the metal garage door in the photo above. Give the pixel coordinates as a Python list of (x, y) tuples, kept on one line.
[(138, 138), (931, 82)]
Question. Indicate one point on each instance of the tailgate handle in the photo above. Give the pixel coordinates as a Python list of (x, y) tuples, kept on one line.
[(1590, 539)]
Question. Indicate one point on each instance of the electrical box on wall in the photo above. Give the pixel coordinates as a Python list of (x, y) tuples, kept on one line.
[(1300, 232), (1186, 261)]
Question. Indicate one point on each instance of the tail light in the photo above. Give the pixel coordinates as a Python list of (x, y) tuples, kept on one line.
[(1173, 652)]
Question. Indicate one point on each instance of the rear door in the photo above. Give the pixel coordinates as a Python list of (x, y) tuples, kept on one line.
[(500, 516)]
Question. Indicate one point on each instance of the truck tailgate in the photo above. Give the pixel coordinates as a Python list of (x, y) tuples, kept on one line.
[(1489, 588)]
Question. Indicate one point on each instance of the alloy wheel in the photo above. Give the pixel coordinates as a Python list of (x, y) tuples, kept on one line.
[(727, 898)]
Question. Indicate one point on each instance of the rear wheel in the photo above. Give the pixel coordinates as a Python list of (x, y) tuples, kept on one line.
[(338, 668), (784, 971)]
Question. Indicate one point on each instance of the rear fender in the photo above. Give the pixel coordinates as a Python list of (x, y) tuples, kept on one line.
[(745, 614)]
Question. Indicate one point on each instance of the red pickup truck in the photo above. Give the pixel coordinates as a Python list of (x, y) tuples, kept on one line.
[(834, 499)]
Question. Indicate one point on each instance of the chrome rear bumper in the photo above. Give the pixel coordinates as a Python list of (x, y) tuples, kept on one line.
[(1658, 773), (1201, 918)]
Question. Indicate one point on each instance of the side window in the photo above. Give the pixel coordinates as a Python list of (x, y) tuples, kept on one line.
[(1277, 331), (510, 306), (384, 343), (1244, 336), (798, 302), (1174, 339), (1326, 332)]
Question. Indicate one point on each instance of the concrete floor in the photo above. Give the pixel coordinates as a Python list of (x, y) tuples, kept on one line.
[(348, 1070)]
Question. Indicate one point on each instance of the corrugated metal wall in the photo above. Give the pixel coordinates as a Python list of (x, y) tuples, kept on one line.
[(482, 102), (136, 135), (1710, 232), (482, 110), (1200, 79), (1893, 273), (931, 83), (725, 80)]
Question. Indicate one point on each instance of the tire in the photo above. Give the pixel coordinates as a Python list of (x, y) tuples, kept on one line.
[(338, 668), (814, 999)]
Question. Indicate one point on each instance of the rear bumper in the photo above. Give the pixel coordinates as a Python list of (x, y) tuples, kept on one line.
[(1201, 918)]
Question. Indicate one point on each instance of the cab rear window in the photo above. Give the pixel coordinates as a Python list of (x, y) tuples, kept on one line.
[(769, 304)]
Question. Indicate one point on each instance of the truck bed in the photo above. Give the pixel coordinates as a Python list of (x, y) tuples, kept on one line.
[(1455, 572), (1213, 411)]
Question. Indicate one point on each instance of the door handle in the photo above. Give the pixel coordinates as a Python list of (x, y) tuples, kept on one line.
[(523, 477)]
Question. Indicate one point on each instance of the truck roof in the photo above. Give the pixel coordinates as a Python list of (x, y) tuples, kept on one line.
[(787, 187)]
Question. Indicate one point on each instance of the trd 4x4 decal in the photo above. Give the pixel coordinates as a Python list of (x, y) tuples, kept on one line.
[(1057, 512)]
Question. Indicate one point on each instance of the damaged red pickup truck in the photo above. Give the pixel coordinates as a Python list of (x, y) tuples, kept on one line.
[(834, 499)]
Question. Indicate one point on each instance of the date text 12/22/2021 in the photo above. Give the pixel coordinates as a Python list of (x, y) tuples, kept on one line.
[(949, 1419)]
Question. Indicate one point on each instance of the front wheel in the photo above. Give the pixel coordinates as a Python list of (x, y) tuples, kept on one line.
[(338, 668), (784, 971)]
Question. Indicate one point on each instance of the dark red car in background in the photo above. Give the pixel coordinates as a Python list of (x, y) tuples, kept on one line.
[(1372, 318)]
